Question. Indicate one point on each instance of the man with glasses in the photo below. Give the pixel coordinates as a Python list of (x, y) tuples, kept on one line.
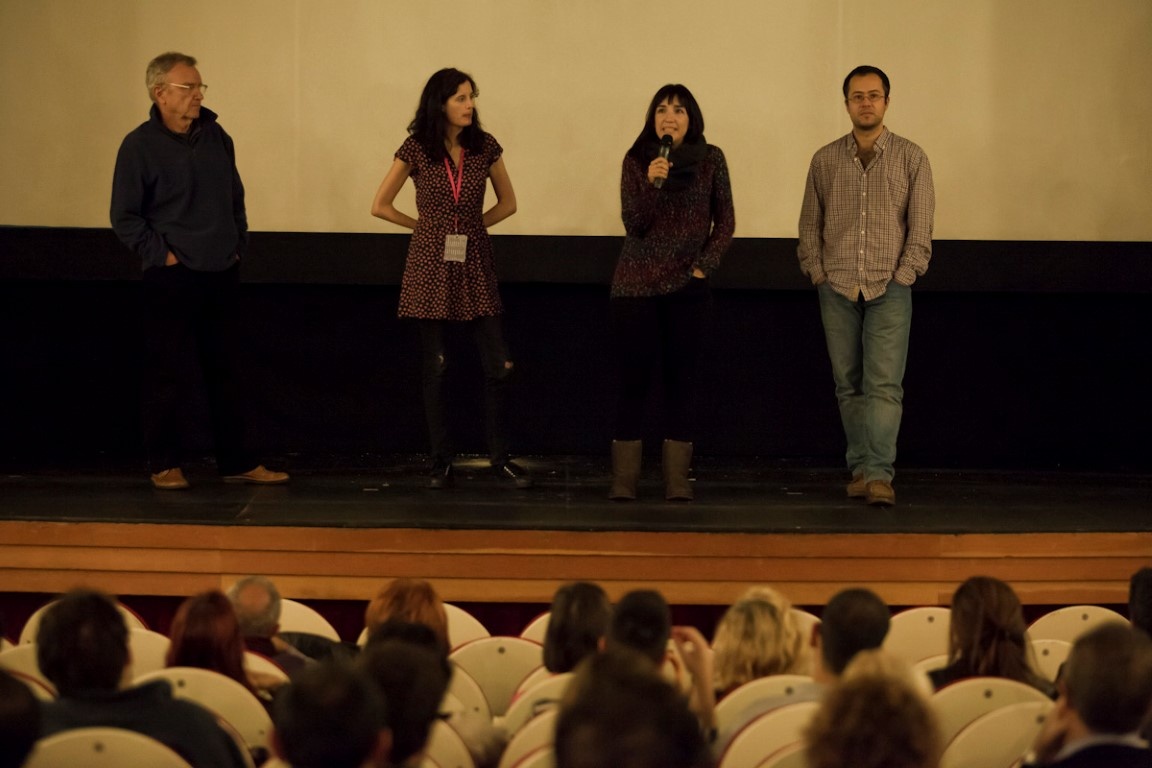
[(178, 203), (865, 236)]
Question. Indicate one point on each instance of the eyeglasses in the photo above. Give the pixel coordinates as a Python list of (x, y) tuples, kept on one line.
[(190, 86), (871, 98)]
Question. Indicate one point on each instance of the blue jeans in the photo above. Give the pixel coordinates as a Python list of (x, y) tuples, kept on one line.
[(868, 347)]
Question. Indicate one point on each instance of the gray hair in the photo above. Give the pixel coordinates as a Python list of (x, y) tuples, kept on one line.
[(256, 619), (158, 69)]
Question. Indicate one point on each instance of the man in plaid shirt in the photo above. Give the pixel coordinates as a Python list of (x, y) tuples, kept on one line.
[(865, 236)]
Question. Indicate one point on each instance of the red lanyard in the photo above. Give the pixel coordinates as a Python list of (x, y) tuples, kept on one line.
[(457, 185)]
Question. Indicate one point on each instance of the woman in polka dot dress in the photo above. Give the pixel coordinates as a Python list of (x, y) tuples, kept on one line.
[(449, 276)]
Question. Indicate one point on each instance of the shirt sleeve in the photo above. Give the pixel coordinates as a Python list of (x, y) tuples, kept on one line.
[(492, 149), (921, 210), (411, 152), (639, 200), (723, 216), (239, 210), (810, 249), (127, 208)]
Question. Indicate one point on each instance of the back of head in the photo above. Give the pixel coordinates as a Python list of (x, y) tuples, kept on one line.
[(19, 721), (757, 636), (257, 604), (328, 717), (578, 622), (1108, 678), (988, 633), (619, 712), (411, 600), (854, 620), (413, 680), (1140, 600), (205, 633), (642, 622), (874, 718), (82, 643)]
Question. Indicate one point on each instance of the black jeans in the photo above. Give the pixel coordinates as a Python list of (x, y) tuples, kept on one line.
[(489, 338), (668, 330), (190, 332)]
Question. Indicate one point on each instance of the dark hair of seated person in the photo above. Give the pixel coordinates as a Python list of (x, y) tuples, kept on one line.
[(577, 624), (82, 643), (408, 632), (19, 721), (329, 716), (642, 622), (413, 679)]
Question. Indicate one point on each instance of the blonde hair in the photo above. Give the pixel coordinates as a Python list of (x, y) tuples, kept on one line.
[(757, 636)]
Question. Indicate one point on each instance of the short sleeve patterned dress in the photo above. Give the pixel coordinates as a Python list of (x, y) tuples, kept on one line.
[(432, 288)]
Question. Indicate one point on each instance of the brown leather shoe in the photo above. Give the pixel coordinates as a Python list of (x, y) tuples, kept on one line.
[(858, 488), (881, 493), (169, 480), (258, 475)]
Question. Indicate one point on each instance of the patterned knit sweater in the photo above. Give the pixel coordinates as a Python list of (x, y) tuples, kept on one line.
[(669, 232)]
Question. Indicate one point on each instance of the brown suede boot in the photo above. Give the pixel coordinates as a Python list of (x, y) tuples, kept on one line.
[(625, 469), (677, 460)]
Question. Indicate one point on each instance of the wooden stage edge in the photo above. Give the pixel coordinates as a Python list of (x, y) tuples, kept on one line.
[(527, 566)]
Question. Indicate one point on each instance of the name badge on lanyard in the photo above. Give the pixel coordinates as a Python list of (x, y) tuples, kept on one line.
[(456, 245)]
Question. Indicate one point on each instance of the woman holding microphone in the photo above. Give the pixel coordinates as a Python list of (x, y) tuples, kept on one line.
[(676, 202)]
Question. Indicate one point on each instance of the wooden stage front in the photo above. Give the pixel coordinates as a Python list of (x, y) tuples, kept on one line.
[(337, 534)]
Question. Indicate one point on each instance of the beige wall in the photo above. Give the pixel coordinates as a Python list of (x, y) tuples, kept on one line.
[(1035, 113)]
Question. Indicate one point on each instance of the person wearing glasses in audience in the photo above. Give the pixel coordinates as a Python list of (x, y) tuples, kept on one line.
[(865, 236), (449, 283), (178, 203)]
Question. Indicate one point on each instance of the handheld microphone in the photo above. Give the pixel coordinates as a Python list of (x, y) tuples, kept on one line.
[(665, 148)]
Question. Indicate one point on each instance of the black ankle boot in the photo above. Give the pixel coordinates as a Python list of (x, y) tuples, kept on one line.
[(513, 473), (440, 477)]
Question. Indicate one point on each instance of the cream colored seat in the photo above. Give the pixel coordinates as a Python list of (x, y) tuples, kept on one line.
[(102, 748), (930, 664), (499, 664), (260, 664), (32, 626), (221, 695), (537, 629), (732, 707), (298, 617), (960, 703), (1069, 623), (998, 738), (918, 633), (463, 627), (464, 689), (544, 757), (791, 756), (761, 738), (446, 749), (149, 650), (537, 733), (1050, 655), (536, 700), (21, 659)]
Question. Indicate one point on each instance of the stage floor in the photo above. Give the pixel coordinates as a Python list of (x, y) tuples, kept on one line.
[(733, 496)]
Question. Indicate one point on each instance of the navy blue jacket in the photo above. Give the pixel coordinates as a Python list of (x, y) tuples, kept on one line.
[(180, 193)]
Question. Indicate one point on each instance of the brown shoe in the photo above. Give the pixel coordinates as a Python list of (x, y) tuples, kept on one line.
[(258, 475), (169, 480), (858, 488), (880, 493)]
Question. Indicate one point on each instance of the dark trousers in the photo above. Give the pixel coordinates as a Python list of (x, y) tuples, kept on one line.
[(190, 335), (489, 339), (668, 331)]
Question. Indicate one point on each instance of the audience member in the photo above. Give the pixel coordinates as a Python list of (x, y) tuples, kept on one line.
[(875, 717), (257, 603), (619, 713), (206, 634), (410, 600), (331, 716), (82, 649), (1105, 693), (758, 636), (1140, 600), (19, 721), (577, 625), (641, 622), (854, 620), (988, 637), (413, 680)]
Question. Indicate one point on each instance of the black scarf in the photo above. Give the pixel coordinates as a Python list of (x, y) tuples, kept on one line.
[(684, 160)]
